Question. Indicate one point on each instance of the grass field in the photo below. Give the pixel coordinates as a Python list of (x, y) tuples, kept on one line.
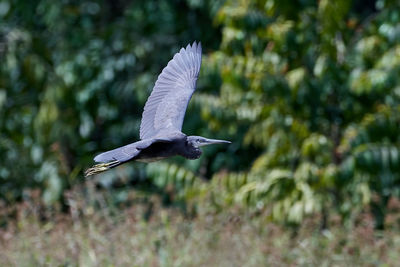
[(152, 235)]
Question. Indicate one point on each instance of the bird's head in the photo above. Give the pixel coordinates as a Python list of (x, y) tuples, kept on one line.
[(198, 141)]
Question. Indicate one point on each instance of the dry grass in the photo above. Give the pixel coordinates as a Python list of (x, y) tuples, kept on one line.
[(122, 237)]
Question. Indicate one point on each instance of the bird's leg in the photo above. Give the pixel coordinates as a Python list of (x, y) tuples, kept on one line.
[(101, 167)]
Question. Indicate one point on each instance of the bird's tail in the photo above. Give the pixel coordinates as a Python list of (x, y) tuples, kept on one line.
[(101, 167)]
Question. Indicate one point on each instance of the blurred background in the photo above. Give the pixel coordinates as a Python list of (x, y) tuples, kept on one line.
[(307, 91)]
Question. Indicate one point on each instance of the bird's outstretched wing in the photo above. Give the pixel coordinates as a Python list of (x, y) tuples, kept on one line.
[(165, 109)]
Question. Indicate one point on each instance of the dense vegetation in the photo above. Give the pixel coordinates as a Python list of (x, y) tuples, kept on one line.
[(114, 237), (308, 91)]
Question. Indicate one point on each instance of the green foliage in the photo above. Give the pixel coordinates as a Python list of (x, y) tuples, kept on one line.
[(308, 91), (74, 80)]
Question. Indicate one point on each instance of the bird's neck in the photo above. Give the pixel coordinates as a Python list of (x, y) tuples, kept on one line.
[(190, 151)]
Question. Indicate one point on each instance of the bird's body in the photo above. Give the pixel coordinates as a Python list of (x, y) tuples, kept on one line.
[(160, 129), (161, 150)]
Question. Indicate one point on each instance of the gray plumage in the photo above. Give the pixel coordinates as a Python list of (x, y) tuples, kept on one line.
[(163, 115)]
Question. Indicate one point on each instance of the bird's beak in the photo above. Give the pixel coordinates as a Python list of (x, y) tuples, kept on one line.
[(214, 141)]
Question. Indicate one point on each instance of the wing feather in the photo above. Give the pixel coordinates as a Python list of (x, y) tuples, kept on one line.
[(127, 152), (165, 109)]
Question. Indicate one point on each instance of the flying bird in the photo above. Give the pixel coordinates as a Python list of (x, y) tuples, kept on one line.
[(161, 126)]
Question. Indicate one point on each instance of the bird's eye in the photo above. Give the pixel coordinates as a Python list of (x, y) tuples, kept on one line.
[(198, 140)]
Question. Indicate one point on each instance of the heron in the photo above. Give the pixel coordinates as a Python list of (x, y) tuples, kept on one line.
[(161, 125)]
